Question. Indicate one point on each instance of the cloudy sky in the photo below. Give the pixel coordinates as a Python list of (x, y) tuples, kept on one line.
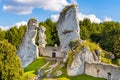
[(17, 12)]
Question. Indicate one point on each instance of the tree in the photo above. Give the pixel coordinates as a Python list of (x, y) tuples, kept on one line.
[(2, 34), (10, 66), (15, 35), (51, 32)]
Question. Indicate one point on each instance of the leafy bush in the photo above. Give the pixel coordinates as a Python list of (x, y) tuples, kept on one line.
[(118, 62), (104, 58), (10, 66), (91, 45)]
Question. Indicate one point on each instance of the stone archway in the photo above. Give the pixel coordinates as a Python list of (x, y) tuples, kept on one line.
[(53, 54)]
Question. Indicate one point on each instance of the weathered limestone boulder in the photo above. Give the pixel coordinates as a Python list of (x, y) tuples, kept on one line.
[(68, 26), (78, 65), (42, 36), (58, 73), (27, 50)]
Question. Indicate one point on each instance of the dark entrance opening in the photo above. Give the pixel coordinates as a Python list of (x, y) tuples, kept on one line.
[(109, 76), (98, 73), (53, 54)]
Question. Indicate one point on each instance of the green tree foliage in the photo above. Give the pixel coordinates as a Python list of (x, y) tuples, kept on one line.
[(10, 66), (110, 37), (15, 35), (51, 32), (2, 34), (107, 34), (89, 30)]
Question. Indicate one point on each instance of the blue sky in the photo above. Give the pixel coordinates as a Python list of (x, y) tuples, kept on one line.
[(19, 11)]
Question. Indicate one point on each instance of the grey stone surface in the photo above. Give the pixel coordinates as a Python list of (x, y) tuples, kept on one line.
[(78, 64), (42, 36), (58, 73), (68, 26), (27, 50)]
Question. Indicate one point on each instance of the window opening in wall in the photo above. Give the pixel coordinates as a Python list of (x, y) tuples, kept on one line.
[(109, 76), (98, 73), (53, 54)]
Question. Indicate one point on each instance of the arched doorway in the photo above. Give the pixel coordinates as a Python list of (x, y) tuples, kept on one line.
[(53, 54)]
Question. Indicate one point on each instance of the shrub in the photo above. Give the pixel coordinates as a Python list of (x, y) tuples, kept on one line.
[(74, 43), (10, 66), (118, 62), (91, 45), (104, 59)]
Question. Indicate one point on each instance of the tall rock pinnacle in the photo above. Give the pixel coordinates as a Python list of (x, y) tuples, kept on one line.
[(27, 50), (68, 26)]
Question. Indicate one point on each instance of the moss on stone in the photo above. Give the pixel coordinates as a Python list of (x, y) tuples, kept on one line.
[(63, 12), (73, 52), (67, 7), (31, 19)]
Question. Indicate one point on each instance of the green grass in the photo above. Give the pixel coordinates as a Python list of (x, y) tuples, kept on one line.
[(30, 71), (79, 77), (84, 77)]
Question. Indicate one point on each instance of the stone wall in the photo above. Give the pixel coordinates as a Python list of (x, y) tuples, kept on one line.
[(110, 72), (53, 52), (78, 64)]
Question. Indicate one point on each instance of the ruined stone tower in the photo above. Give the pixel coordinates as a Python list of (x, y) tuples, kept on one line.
[(68, 26), (27, 50)]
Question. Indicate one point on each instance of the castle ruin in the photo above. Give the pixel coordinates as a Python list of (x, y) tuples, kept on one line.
[(85, 61)]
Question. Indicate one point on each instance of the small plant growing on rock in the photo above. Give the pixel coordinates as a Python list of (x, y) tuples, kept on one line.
[(73, 44)]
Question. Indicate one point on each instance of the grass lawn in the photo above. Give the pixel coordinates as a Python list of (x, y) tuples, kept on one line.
[(84, 77), (79, 77), (30, 71)]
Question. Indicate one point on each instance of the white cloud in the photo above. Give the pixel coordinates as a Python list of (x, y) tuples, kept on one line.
[(18, 24), (81, 16), (92, 17), (107, 19), (4, 27), (55, 17), (17, 10), (74, 1), (26, 6)]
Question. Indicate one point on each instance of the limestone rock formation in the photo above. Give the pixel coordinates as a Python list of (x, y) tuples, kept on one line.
[(78, 64), (68, 26), (42, 36), (27, 50)]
